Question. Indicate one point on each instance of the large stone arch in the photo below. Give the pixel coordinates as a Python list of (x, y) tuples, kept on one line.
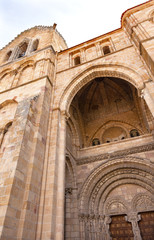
[(105, 70), (110, 174)]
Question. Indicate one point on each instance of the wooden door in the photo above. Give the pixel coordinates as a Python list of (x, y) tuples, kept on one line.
[(120, 229), (146, 225)]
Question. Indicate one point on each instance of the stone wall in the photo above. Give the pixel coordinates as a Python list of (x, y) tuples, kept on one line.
[(56, 182)]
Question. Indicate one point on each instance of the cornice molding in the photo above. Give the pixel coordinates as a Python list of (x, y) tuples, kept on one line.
[(115, 155)]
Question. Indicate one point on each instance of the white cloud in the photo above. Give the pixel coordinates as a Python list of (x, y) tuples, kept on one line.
[(78, 20)]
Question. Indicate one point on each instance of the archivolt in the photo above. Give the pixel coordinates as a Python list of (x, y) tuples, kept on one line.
[(111, 174), (105, 70)]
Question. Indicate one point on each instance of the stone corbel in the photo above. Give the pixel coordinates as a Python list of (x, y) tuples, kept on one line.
[(65, 114), (133, 218)]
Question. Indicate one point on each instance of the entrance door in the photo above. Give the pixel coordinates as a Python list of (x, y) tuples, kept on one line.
[(146, 225), (120, 229)]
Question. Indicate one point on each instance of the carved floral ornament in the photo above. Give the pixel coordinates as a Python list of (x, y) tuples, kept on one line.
[(143, 202), (115, 206)]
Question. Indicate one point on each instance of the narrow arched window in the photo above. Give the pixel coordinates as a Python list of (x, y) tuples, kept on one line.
[(152, 17), (77, 61), (134, 133), (106, 50), (35, 45), (95, 142), (8, 55), (3, 132), (22, 50)]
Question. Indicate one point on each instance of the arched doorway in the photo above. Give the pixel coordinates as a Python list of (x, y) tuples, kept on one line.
[(116, 201), (107, 113)]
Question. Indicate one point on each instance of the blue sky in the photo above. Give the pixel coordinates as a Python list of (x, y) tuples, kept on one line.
[(77, 20)]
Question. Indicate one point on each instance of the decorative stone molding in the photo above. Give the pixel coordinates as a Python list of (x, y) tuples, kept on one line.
[(94, 226), (105, 70), (109, 178), (115, 206), (143, 202), (115, 155), (110, 174)]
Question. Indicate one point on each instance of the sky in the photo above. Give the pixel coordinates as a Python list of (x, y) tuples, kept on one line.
[(77, 20)]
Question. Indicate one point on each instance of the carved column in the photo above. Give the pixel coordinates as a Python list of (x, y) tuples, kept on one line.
[(82, 222), (59, 225), (133, 218), (67, 219), (104, 227), (107, 221)]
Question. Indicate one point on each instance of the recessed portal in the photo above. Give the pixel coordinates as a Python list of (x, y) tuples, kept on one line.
[(108, 109)]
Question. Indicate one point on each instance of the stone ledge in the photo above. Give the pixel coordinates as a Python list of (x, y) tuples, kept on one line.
[(116, 154)]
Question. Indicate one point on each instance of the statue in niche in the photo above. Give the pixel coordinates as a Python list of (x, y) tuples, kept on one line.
[(95, 142), (134, 133)]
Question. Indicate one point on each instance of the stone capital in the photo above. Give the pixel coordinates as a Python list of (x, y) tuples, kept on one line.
[(133, 217)]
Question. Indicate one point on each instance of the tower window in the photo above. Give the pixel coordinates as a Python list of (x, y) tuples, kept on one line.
[(77, 61), (35, 45), (95, 142), (22, 50), (8, 55), (106, 50)]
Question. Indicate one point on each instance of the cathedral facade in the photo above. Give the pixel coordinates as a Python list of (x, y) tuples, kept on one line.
[(77, 134)]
